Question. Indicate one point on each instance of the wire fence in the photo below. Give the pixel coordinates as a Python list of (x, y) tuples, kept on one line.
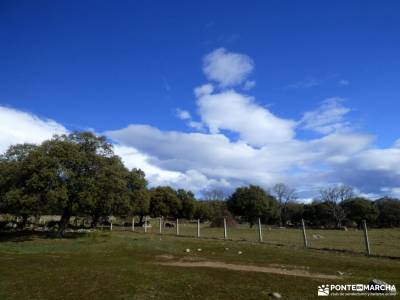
[(374, 242)]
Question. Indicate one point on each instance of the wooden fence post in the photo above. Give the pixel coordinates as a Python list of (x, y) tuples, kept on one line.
[(160, 225), (133, 224), (198, 228), (260, 238), (145, 224), (304, 233), (177, 226), (366, 237), (225, 232), (111, 226)]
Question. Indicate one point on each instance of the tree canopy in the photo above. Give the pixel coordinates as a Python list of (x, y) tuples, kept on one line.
[(252, 202)]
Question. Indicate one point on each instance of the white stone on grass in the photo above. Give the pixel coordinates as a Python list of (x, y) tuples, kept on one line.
[(276, 295)]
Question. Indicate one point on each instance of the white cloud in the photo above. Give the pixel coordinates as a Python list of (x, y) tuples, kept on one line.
[(227, 68), (344, 82), (183, 114), (249, 84), (239, 141), (204, 89), (379, 159), (239, 113), (22, 127), (329, 117), (391, 191)]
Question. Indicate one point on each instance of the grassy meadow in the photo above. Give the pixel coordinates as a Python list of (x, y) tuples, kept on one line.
[(383, 242), (127, 265)]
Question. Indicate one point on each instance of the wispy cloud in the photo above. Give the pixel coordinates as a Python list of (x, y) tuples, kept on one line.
[(343, 82), (183, 114), (328, 118), (166, 84), (249, 84)]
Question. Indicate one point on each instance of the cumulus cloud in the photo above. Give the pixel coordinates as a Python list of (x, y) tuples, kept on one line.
[(329, 117), (239, 113), (204, 89), (248, 144), (236, 141), (22, 127), (227, 68)]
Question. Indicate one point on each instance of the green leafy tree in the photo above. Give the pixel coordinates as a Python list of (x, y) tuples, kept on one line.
[(106, 191), (164, 202), (139, 195), (187, 200), (359, 209), (18, 194), (69, 174), (202, 211), (389, 212), (252, 202)]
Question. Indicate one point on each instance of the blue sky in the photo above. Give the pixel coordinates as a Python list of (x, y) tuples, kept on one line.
[(104, 65)]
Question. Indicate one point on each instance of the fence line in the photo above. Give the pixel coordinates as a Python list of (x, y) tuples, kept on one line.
[(353, 240)]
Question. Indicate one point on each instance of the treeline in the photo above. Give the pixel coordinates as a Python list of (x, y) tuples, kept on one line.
[(79, 175)]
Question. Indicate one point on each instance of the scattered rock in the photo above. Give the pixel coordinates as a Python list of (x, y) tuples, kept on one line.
[(317, 236), (240, 252), (380, 282), (187, 250), (276, 295), (226, 249), (199, 249), (340, 273)]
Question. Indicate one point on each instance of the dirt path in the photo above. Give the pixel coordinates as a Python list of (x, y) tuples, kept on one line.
[(271, 270)]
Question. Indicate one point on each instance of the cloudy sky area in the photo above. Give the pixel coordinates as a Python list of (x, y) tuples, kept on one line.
[(217, 118)]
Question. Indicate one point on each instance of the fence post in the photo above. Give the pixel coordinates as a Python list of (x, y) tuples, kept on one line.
[(111, 226), (225, 232), (145, 224), (259, 231), (160, 225), (366, 237), (304, 233), (177, 226), (133, 224), (198, 228)]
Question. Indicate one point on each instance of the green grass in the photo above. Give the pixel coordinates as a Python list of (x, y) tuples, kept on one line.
[(124, 265)]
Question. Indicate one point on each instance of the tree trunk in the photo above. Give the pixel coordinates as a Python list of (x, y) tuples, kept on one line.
[(95, 220), (64, 221), (141, 220), (24, 221)]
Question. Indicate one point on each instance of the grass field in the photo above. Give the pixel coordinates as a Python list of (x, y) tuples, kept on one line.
[(383, 242), (126, 265)]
